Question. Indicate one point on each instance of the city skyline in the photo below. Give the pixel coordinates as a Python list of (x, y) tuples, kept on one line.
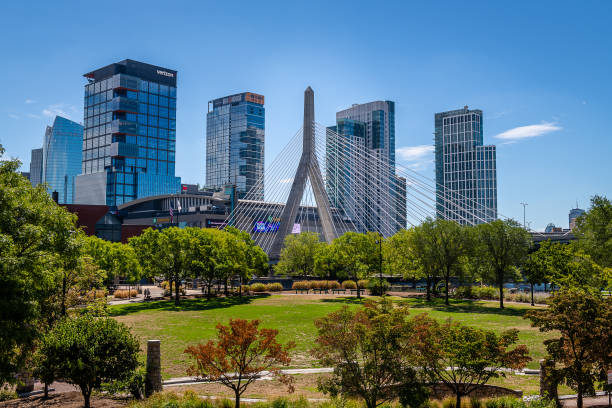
[(544, 110)]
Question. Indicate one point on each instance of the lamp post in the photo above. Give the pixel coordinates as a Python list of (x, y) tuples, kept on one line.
[(524, 223)]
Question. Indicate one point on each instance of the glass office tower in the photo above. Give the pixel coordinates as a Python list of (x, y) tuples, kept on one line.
[(129, 142), (36, 163), (62, 157), (368, 168), (466, 177), (235, 137)]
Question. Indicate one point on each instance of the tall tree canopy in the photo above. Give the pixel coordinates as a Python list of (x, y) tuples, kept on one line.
[(594, 231), (298, 256)]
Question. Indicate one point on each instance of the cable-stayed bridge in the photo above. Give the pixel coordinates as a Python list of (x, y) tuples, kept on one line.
[(329, 183)]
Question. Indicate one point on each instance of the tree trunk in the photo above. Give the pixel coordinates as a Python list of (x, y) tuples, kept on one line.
[(46, 390), (447, 279), (428, 284), (500, 281), (458, 400), (177, 295), (208, 289), (237, 398), (532, 304), (86, 395), (225, 287), (579, 399), (240, 289)]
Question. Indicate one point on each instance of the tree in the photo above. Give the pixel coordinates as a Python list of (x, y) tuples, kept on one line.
[(372, 353), (165, 252), (584, 347), (357, 254), (465, 358), (503, 246), (297, 257), (35, 234), (256, 260), (594, 231), (452, 245), (205, 247), (535, 272), (238, 356), (87, 351), (566, 265), (421, 241)]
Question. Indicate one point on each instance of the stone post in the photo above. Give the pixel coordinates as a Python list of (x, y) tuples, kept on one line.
[(548, 380), (153, 380)]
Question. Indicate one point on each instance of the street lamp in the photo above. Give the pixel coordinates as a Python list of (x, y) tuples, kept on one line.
[(524, 206)]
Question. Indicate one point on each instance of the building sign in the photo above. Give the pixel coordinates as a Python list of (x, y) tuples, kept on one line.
[(297, 229), (165, 73), (255, 98), (215, 223), (264, 226)]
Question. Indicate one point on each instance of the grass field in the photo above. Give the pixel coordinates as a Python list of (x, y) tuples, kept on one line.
[(293, 315)]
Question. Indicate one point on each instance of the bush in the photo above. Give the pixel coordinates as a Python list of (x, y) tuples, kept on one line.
[(123, 293), (504, 402), (274, 287), (258, 287), (134, 385), (300, 285), (362, 283), (246, 288), (333, 284), (171, 400), (349, 284), (314, 284), (375, 286), (7, 394)]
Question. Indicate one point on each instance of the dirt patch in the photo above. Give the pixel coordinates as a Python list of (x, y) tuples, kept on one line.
[(67, 400)]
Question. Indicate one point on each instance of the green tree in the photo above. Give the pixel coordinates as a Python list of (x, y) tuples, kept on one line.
[(582, 346), (535, 272), (88, 351), (165, 252), (422, 244), (256, 260), (503, 246), (357, 254), (372, 353), (594, 231), (298, 255), (35, 235), (205, 248), (464, 358)]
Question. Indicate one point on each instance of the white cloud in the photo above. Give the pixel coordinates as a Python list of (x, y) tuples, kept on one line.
[(414, 153), (524, 132), (59, 109), (29, 101), (13, 116)]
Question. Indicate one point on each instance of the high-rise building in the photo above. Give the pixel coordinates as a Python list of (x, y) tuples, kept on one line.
[(129, 142), (235, 137), (36, 167), (466, 175), (360, 168), (573, 215), (62, 157)]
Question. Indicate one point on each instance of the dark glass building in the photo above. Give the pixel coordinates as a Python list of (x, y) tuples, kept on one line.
[(36, 167), (466, 175), (62, 157), (129, 141), (235, 137)]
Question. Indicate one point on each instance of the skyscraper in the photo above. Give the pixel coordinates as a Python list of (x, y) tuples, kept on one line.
[(62, 157), (466, 175), (129, 142), (235, 137), (363, 165), (574, 213), (36, 167)]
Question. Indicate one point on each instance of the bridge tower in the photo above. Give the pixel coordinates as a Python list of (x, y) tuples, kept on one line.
[(308, 168)]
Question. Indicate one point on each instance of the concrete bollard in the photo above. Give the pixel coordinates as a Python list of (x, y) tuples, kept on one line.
[(153, 379)]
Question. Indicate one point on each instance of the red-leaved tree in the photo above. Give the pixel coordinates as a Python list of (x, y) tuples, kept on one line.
[(241, 354)]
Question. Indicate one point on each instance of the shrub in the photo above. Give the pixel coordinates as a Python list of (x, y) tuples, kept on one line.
[(7, 394), (504, 402), (123, 293), (449, 403), (300, 285), (314, 284), (375, 286), (349, 284), (333, 284), (362, 283), (274, 287), (171, 400), (258, 287), (246, 288)]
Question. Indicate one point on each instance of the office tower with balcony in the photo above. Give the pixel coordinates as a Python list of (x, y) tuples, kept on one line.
[(360, 168), (235, 138), (466, 175), (129, 141), (61, 157), (36, 167)]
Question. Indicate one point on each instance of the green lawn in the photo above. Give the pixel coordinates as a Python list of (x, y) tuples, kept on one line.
[(293, 315)]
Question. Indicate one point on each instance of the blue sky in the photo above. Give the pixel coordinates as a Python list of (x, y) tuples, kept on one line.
[(540, 71)]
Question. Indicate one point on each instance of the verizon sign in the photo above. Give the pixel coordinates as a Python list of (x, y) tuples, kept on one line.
[(165, 73)]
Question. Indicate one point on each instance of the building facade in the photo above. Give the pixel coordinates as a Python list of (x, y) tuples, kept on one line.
[(36, 167), (360, 168), (466, 175), (574, 213), (129, 141), (235, 138), (62, 157)]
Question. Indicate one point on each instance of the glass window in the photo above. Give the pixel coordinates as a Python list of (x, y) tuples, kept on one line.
[(172, 92), (153, 87), (163, 101), (143, 86), (153, 99), (163, 90)]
